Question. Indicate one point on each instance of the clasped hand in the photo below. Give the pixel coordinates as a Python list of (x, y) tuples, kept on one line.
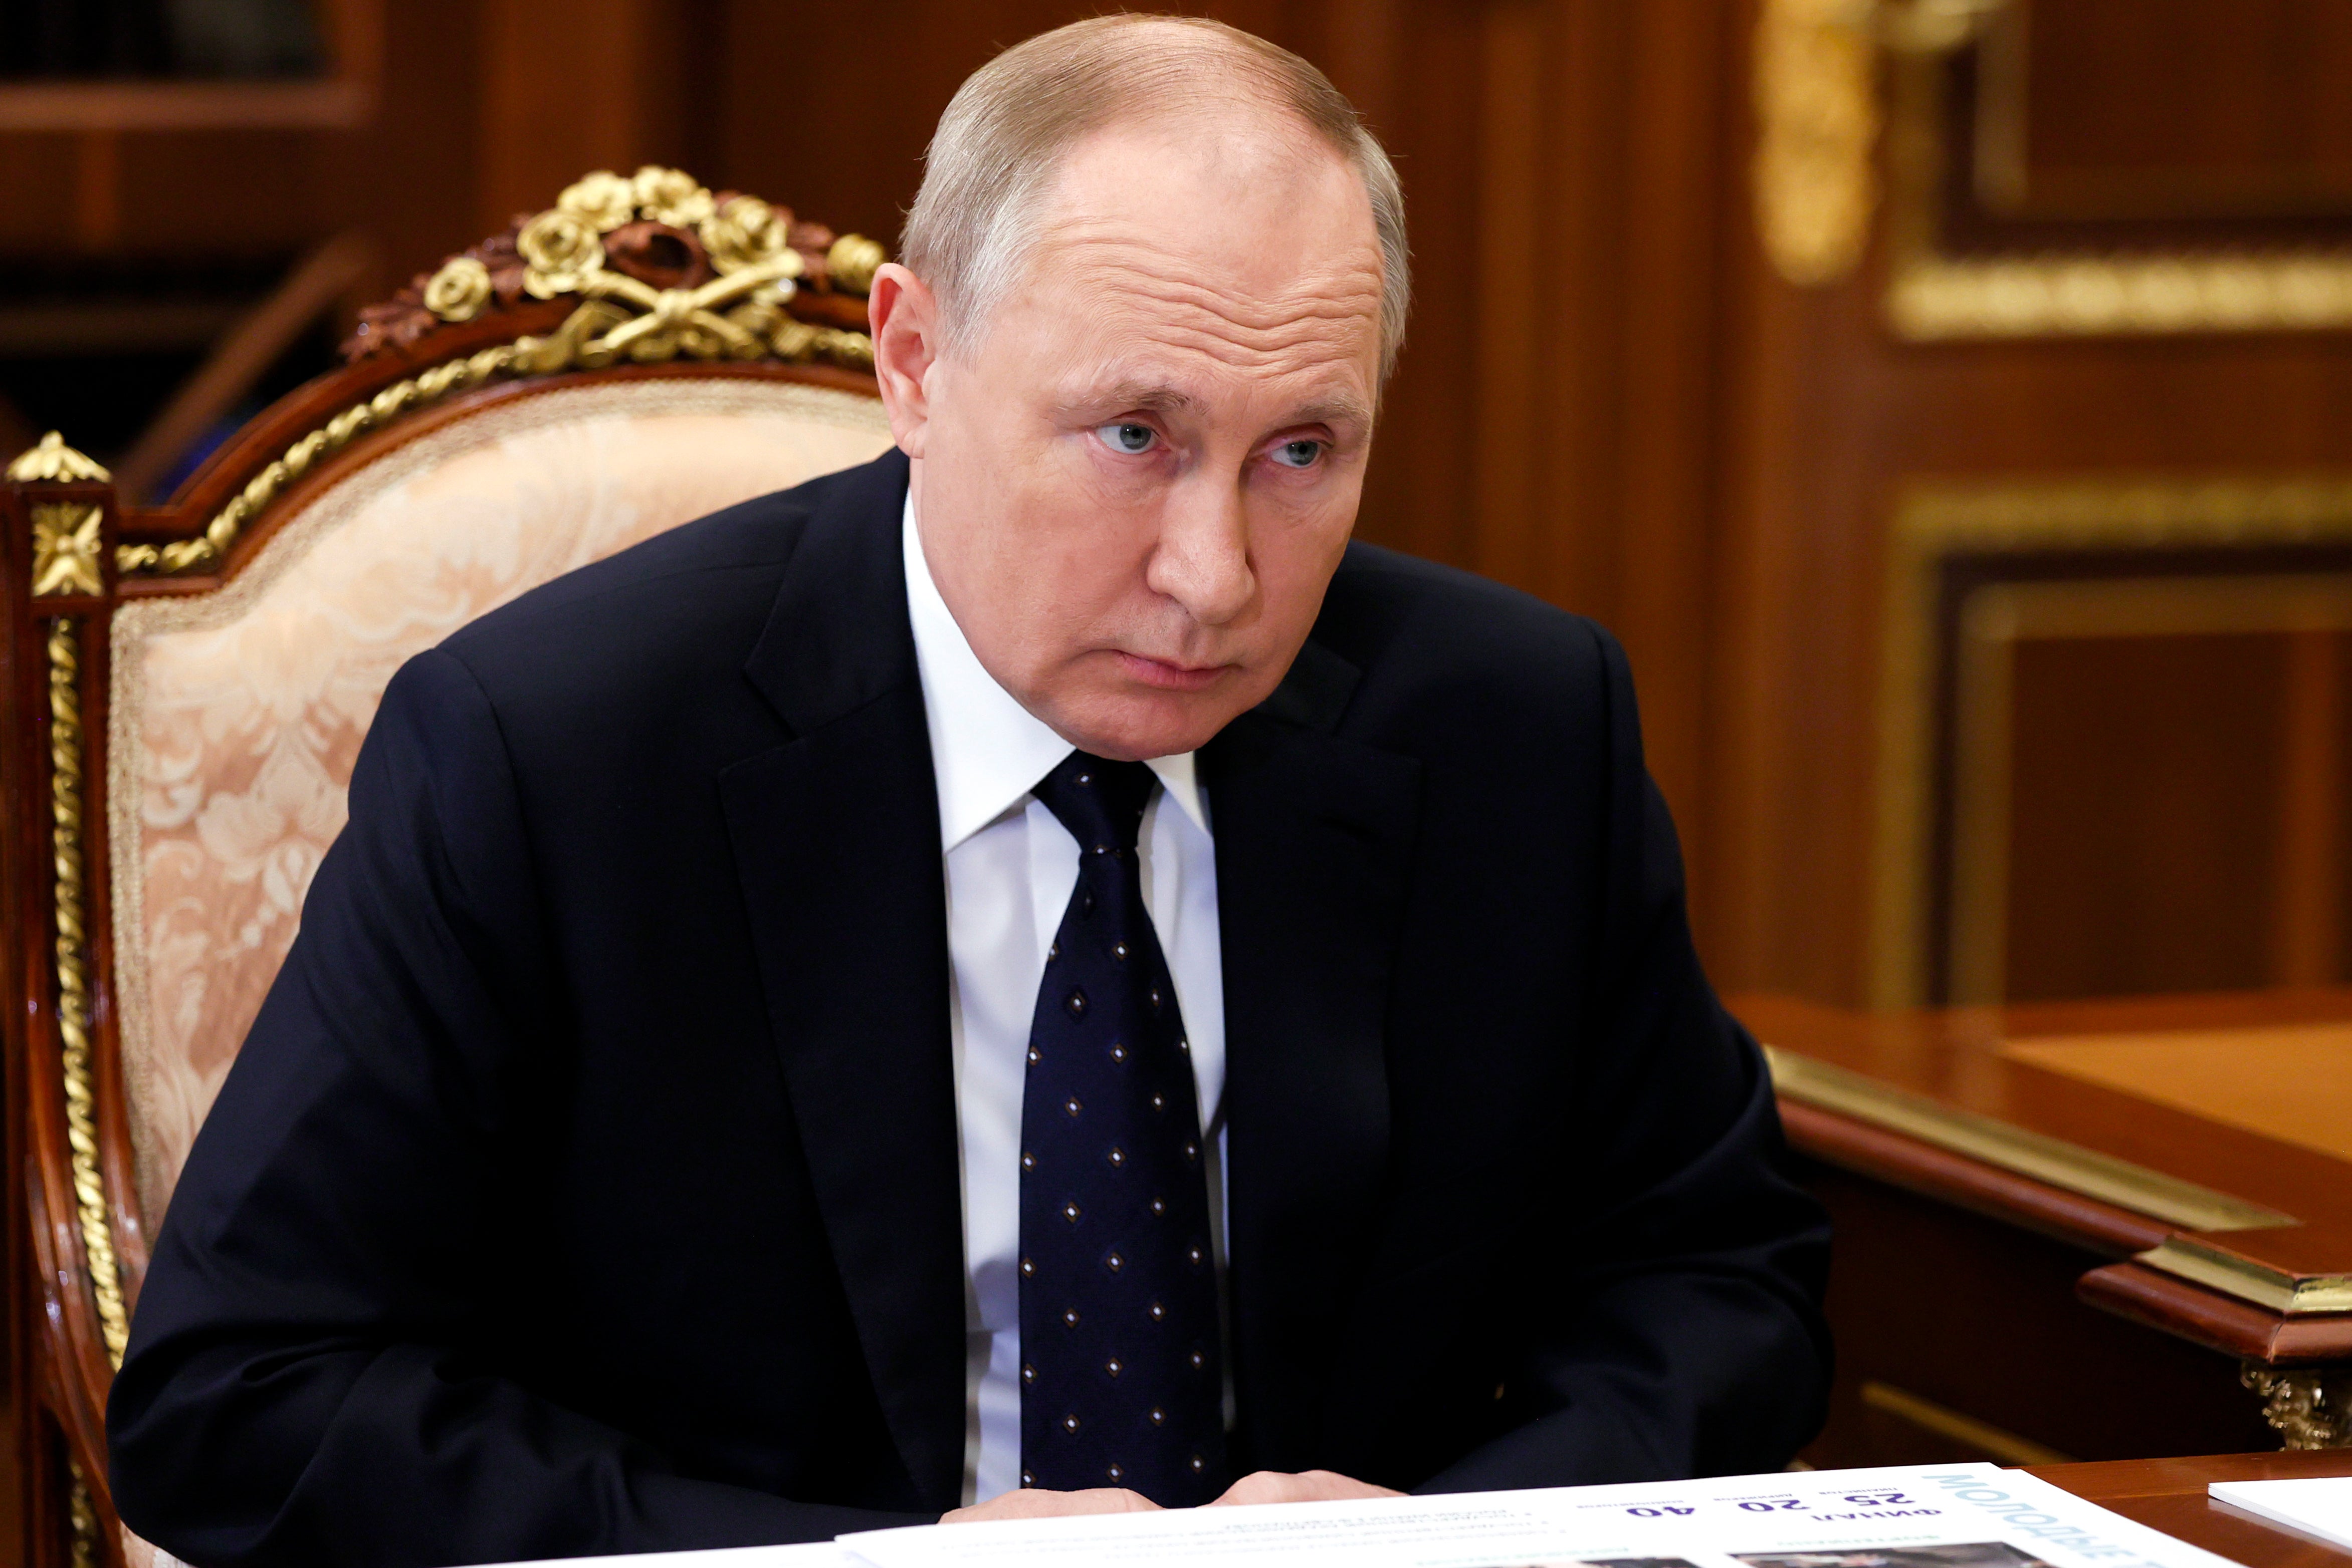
[(1263, 1485)]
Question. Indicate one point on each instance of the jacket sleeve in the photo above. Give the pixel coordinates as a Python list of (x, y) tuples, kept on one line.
[(1684, 1333), (309, 1379)]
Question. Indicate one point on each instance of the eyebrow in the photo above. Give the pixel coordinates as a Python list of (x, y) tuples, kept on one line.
[(1153, 397), (1157, 397), (1334, 410)]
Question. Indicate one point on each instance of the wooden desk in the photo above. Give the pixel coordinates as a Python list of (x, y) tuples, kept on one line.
[(2169, 1495), (2079, 1230)]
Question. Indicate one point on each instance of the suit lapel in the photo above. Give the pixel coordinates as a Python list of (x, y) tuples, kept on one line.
[(1314, 835), (836, 836)]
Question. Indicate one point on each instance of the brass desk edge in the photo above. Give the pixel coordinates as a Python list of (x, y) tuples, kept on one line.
[(2249, 1280), (2068, 1167)]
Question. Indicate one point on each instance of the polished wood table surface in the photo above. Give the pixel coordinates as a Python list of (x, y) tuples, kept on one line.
[(2169, 1495), (2001, 1177)]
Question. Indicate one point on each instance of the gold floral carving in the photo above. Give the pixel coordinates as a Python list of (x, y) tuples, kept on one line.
[(73, 985), (459, 290), (50, 461), (66, 549), (2308, 1406), (563, 252), (671, 196), (603, 200), (852, 262), (737, 314), (746, 232)]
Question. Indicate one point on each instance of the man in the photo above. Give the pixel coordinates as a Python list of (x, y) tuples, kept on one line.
[(1030, 975)]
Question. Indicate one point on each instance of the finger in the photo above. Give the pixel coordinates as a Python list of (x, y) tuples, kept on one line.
[(1258, 1487), (1036, 1502)]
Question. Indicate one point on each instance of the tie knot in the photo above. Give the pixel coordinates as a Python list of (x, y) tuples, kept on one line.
[(1101, 802)]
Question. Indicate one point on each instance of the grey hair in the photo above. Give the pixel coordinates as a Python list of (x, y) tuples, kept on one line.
[(1000, 142)]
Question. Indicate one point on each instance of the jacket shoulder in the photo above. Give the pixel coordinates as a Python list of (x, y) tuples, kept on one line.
[(684, 604), (750, 540), (1398, 618)]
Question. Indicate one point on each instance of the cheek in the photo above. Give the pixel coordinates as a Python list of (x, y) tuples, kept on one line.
[(1063, 566), (1295, 561)]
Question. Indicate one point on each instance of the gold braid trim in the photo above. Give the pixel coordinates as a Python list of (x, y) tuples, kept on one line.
[(81, 1518), (73, 987), (401, 397), (592, 335)]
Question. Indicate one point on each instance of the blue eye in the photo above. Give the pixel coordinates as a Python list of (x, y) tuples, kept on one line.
[(1298, 453), (1128, 437)]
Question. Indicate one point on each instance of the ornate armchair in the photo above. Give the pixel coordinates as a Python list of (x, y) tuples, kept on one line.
[(188, 684)]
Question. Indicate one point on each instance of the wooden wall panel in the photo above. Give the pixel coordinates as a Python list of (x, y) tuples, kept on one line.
[(1609, 397), (588, 84), (2180, 107), (1835, 417), (2146, 788)]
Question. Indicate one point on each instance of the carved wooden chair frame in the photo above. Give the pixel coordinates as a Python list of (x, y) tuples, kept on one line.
[(626, 277)]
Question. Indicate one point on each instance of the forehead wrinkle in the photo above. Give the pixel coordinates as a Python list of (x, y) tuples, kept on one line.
[(1191, 324), (1297, 356), (1142, 271)]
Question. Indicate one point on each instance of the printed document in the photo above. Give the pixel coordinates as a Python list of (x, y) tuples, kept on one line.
[(1948, 1516), (1954, 1516)]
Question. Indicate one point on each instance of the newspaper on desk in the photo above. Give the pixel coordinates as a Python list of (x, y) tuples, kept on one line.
[(1948, 1516), (1953, 1516)]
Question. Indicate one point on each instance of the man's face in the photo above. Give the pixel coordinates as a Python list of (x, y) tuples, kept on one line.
[(1133, 490)]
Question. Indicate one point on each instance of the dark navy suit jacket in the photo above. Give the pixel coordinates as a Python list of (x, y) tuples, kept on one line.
[(588, 1182)]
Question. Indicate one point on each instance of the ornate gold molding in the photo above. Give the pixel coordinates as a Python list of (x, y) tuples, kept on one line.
[(1816, 98), (1994, 620), (1931, 297), (2308, 1406), (64, 548), (1935, 523), (571, 250), (1815, 87), (50, 461), (73, 985)]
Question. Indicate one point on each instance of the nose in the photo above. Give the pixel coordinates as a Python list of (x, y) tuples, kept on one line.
[(1202, 560)]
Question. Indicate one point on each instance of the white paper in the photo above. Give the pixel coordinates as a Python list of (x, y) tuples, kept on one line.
[(824, 1555), (2316, 1505), (1954, 1516)]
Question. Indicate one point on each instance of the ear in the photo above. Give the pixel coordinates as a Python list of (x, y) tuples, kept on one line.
[(904, 316)]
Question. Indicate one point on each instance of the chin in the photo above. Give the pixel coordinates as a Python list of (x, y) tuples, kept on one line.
[(1136, 731)]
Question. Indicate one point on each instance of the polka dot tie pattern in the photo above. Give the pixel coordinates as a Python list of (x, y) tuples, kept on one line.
[(1121, 1381)]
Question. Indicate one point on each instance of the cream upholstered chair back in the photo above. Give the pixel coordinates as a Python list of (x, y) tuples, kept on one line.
[(235, 715), (642, 353)]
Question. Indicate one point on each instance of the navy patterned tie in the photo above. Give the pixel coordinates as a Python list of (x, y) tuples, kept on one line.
[(1120, 1383)]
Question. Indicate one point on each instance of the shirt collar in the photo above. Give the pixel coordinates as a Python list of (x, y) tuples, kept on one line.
[(987, 750)]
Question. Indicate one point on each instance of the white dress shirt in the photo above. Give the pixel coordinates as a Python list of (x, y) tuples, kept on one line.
[(1010, 869)]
